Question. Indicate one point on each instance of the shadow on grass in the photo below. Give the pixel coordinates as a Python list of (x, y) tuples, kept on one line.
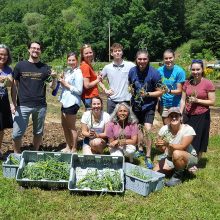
[(202, 163)]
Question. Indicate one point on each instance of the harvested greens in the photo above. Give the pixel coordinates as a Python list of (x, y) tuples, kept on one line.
[(49, 169), (101, 179), (136, 172), (14, 160)]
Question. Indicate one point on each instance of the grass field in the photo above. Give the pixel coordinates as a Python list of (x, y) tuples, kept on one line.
[(197, 198)]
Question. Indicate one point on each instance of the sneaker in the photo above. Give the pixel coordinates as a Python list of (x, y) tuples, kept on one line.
[(173, 182), (148, 163), (139, 154)]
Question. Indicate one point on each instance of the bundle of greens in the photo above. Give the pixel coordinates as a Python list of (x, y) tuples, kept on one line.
[(14, 160), (137, 172), (101, 179), (49, 169)]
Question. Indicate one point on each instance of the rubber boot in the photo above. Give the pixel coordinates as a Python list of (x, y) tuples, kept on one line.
[(176, 178)]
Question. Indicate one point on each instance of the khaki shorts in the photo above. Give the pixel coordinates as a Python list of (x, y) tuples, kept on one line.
[(164, 111), (192, 161)]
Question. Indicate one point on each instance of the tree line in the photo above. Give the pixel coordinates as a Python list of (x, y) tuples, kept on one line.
[(64, 25)]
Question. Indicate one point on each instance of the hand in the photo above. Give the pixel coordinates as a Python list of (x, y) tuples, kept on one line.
[(114, 143), (109, 92), (144, 94), (12, 107), (165, 89), (99, 78), (122, 142), (192, 99), (63, 83), (92, 133), (161, 145), (2, 79)]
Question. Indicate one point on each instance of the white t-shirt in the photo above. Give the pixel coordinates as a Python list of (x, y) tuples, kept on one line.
[(98, 127), (118, 80), (186, 130)]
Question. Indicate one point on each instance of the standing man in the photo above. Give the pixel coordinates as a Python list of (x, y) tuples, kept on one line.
[(143, 81), (117, 75), (30, 90)]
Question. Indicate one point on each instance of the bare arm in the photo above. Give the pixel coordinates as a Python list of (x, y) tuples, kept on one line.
[(88, 85), (185, 142), (207, 102), (156, 93), (117, 142), (182, 102), (178, 90)]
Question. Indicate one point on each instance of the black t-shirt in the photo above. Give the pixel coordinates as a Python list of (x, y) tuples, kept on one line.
[(32, 86)]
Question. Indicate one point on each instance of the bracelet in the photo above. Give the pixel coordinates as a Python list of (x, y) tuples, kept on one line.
[(169, 91)]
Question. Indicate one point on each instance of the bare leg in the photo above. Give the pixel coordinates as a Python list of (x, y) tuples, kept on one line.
[(148, 140), (17, 143), (200, 155), (140, 140), (69, 128), (180, 159), (37, 140)]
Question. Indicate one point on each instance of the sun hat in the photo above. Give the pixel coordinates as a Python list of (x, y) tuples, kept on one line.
[(174, 110)]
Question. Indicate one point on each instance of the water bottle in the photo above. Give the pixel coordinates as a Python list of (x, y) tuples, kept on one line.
[(55, 91)]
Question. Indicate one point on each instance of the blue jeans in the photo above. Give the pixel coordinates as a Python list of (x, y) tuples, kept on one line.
[(87, 103), (21, 120)]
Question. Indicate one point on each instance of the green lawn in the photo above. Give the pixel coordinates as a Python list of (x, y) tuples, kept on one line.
[(197, 198), (217, 103)]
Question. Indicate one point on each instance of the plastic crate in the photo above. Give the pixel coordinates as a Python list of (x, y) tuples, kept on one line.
[(35, 156), (81, 164), (9, 168), (143, 187)]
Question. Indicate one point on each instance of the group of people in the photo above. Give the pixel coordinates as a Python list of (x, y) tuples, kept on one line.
[(134, 91)]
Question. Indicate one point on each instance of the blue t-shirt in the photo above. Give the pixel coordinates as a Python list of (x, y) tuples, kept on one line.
[(147, 80), (170, 78), (5, 72)]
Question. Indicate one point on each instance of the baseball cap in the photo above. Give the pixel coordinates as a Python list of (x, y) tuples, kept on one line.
[(174, 110)]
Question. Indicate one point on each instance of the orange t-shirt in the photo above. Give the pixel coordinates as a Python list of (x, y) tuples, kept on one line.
[(89, 73)]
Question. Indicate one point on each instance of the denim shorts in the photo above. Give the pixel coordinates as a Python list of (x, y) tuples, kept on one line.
[(21, 120)]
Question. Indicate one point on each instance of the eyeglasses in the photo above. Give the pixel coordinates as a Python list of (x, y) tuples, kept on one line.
[(35, 48)]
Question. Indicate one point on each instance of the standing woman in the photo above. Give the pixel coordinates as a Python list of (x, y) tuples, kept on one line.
[(72, 84), (5, 81), (172, 77), (198, 95), (90, 79)]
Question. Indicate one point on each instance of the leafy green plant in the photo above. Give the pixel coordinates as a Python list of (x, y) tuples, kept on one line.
[(139, 173), (14, 160), (101, 179), (50, 169)]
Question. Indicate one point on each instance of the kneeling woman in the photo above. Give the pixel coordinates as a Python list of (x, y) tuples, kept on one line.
[(176, 138), (122, 132), (94, 127)]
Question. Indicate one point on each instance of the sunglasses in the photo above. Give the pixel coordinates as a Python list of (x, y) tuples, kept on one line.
[(197, 61)]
